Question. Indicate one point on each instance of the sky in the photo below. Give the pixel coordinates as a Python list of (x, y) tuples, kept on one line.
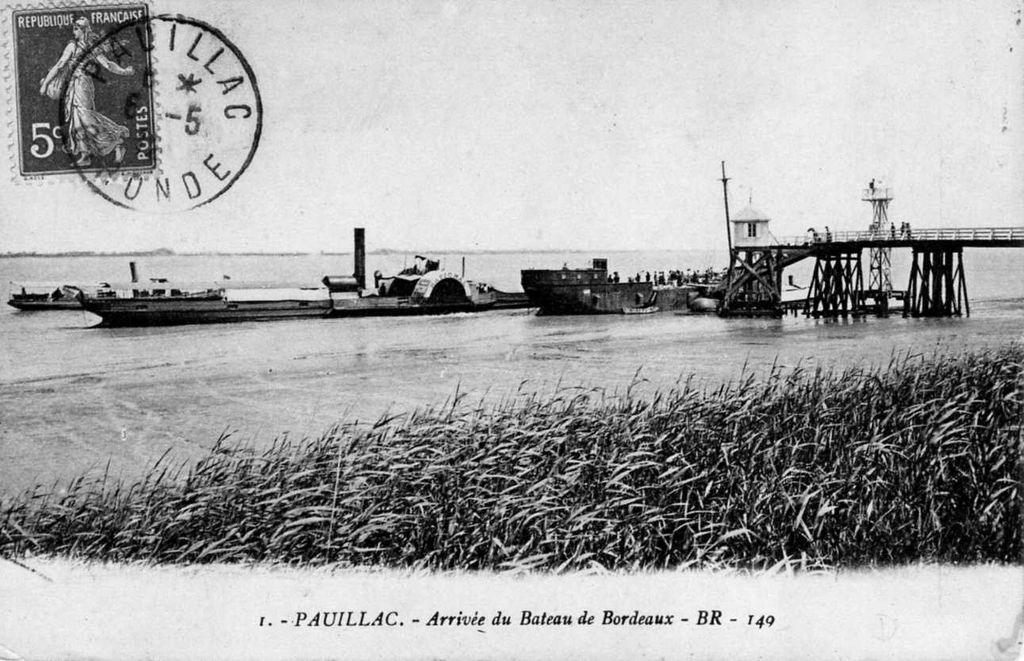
[(534, 125)]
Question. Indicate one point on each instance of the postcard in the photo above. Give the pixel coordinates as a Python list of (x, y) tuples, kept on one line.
[(458, 329)]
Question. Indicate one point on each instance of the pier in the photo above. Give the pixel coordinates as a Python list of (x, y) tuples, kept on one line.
[(937, 285)]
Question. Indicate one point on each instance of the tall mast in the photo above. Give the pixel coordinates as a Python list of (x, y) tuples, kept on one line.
[(725, 195)]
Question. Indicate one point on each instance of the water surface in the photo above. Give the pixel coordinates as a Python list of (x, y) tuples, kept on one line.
[(75, 398)]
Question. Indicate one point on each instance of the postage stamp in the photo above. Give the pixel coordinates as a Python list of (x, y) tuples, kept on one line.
[(209, 118), (155, 113), (83, 97)]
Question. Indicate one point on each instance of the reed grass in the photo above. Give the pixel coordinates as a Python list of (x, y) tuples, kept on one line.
[(919, 459)]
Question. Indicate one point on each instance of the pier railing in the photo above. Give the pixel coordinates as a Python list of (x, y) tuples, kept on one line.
[(902, 237), (877, 193)]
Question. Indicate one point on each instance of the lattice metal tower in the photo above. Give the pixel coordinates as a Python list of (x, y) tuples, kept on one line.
[(880, 269)]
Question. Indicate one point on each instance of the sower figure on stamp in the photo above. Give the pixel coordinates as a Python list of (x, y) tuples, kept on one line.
[(88, 132)]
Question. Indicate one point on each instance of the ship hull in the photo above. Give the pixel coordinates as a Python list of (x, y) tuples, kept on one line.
[(160, 312), (587, 291), (120, 312), (390, 306), (38, 306), (408, 306)]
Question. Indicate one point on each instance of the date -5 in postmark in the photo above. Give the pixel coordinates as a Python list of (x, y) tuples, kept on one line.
[(84, 100)]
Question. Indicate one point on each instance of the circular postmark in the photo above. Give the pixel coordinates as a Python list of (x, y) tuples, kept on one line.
[(200, 104)]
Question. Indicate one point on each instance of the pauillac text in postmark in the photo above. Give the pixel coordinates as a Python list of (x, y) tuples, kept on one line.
[(209, 118), (84, 102)]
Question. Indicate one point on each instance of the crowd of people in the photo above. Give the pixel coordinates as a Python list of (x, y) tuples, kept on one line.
[(672, 277)]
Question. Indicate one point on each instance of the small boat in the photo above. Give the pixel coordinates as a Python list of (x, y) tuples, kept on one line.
[(705, 304), (650, 309), (35, 296)]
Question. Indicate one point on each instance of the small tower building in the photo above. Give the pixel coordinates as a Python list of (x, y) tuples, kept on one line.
[(750, 228)]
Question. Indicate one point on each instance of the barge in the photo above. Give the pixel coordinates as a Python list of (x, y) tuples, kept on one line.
[(594, 291), (163, 303), (37, 296)]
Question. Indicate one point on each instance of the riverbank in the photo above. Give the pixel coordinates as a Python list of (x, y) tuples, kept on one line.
[(915, 460)]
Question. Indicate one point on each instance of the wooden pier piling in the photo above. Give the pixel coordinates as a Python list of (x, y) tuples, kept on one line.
[(837, 286), (937, 286)]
